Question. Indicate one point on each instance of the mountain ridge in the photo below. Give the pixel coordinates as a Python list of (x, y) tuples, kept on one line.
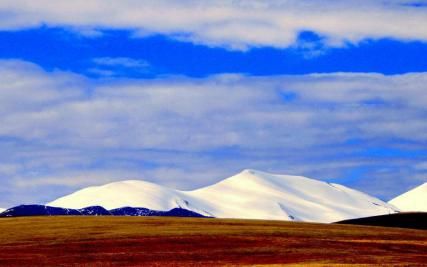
[(250, 194)]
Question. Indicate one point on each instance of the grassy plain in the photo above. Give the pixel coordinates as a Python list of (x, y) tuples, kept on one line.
[(162, 241)]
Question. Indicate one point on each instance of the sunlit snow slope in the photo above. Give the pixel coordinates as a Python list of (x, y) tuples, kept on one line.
[(1, 210), (250, 194), (413, 200), (132, 193)]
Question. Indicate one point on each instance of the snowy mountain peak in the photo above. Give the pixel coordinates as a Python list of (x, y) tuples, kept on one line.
[(250, 194), (254, 172), (250, 171), (413, 200), (260, 178), (244, 176)]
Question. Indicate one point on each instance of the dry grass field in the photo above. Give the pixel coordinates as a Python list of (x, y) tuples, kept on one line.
[(161, 241)]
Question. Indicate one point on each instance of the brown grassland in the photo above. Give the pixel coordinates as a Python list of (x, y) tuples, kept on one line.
[(161, 241)]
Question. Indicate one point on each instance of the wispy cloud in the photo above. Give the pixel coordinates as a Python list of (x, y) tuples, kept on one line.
[(231, 24), (121, 62), (116, 66)]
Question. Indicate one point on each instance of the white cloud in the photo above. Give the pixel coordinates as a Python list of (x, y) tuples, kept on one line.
[(60, 129), (228, 23), (185, 114)]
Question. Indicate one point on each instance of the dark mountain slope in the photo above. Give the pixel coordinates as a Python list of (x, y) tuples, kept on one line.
[(41, 210), (414, 220)]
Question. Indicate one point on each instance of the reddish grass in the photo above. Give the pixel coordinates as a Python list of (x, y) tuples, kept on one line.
[(125, 241)]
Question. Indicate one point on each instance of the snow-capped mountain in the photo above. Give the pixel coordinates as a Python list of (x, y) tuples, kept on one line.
[(1, 210), (250, 194), (132, 193), (413, 200), (255, 194)]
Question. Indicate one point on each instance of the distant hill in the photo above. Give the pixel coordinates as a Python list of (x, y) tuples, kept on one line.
[(41, 210), (414, 220), (250, 194), (413, 200), (37, 210)]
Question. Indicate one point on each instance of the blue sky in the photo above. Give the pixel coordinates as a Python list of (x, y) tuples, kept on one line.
[(58, 48), (185, 93)]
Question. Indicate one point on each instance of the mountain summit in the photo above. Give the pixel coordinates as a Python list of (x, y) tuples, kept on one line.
[(413, 200), (250, 194)]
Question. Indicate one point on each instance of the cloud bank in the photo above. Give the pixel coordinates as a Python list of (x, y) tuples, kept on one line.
[(63, 131), (232, 24)]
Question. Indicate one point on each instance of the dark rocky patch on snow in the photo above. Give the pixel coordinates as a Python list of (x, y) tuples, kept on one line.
[(94, 211)]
